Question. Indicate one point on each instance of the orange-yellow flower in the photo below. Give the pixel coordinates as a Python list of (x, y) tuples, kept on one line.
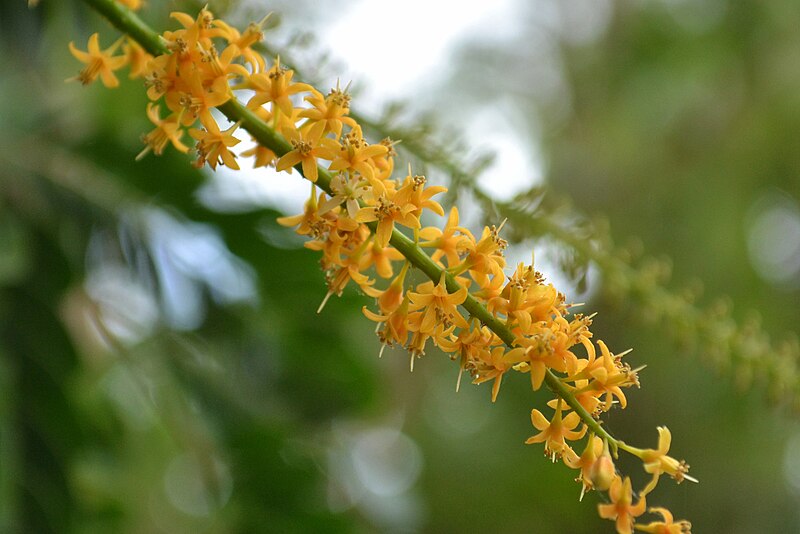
[(554, 433), (448, 240), (98, 62), (356, 154), (386, 213), (309, 222), (586, 462), (621, 507), (657, 462), (331, 109), (395, 324), (166, 131), (244, 40), (197, 100), (137, 58), (340, 276), (608, 375), (308, 147), (212, 146), (160, 76), (414, 193), (487, 254), (197, 30), (384, 163), (221, 65), (263, 156), (667, 525), (438, 304), (490, 284), (275, 86), (495, 364), (539, 355), (390, 298), (382, 258), (468, 345)]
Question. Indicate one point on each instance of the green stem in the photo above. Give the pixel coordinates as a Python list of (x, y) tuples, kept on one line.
[(127, 22)]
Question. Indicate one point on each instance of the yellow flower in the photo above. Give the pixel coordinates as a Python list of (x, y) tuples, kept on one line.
[(390, 299), (395, 324), (384, 163), (197, 99), (356, 154), (98, 62), (339, 236), (622, 508), (468, 345), (403, 206), (608, 375), (447, 241), (137, 58), (275, 86), (487, 254), (221, 65), (251, 35), (416, 347), (332, 110), (339, 277), (160, 76), (308, 146), (190, 43), (212, 146), (667, 526), (495, 364), (167, 131), (263, 156), (587, 463), (438, 304), (309, 222), (382, 258), (387, 213), (554, 433), (490, 284), (414, 193), (539, 355), (657, 462)]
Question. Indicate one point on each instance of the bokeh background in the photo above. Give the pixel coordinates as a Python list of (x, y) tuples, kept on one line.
[(162, 365)]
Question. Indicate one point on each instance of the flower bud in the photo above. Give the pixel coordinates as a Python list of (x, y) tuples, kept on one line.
[(602, 471)]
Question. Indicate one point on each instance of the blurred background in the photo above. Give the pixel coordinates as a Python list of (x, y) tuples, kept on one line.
[(162, 365)]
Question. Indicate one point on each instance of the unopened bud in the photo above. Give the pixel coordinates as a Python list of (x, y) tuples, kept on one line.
[(602, 471)]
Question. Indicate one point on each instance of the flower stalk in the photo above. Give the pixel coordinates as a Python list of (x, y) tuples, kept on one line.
[(519, 325)]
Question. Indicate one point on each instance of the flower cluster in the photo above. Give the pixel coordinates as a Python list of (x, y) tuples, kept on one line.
[(358, 214)]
